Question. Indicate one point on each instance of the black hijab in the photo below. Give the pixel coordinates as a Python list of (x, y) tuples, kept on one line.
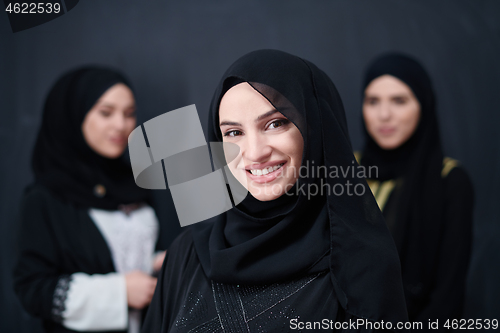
[(418, 209), (264, 242), (64, 163)]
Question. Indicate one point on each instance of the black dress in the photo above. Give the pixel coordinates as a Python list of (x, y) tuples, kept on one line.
[(187, 301), (439, 292), (296, 262), (56, 240), (57, 237), (427, 201)]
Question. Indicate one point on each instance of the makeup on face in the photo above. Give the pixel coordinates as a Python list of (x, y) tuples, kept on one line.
[(391, 111), (270, 145), (110, 121)]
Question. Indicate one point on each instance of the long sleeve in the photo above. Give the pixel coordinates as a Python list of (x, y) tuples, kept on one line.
[(96, 302), (36, 273), (447, 298)]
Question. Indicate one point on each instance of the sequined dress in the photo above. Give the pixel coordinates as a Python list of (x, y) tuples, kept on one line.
[(187, 301)]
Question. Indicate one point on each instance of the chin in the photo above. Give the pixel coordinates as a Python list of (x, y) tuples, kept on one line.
[(265, 193), (112, 153), (388, 144)]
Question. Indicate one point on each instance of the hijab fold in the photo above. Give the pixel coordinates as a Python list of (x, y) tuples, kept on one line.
[(62, 160), (296, 234)]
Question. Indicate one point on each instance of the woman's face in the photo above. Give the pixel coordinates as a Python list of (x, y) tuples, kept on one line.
[(270, 145), (107, 125), (391, 111)]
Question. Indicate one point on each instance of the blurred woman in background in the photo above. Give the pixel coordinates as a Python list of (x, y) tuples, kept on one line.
[(426, 199), (87, 234)]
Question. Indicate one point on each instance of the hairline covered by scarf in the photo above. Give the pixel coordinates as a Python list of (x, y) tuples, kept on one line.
[(62, 160)]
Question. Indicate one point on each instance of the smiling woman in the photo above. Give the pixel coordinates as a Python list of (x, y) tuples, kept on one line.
[(280, 254), (107, 125), (271, 145)]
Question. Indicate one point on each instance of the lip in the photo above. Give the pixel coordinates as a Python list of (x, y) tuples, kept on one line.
[(118, 140), (265, 178), (386, 131)]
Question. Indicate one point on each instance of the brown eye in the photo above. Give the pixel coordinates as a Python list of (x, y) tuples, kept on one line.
[(233, 133), (105, 113), (400, 100), (371, 101), (278, 123), (130, 114)]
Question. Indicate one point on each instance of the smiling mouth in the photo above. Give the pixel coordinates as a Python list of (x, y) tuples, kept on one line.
[(265, 171)]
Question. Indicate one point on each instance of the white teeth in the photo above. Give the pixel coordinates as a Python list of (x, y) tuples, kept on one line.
[(265, 171)]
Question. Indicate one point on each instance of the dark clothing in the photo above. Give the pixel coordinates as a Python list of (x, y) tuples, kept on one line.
[(56, 239), (260, 246), (437, 291), (429, 214), (187, 301)]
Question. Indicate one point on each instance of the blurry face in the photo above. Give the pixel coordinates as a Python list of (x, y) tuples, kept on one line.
[(107, 125), (270, 145), (391, 111)]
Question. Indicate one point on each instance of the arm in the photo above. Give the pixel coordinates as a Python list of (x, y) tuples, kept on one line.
[(96, 302), (447, 298), (36, 272)]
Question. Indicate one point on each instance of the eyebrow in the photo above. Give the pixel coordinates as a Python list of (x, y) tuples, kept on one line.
[(111, 106), (259, 118)]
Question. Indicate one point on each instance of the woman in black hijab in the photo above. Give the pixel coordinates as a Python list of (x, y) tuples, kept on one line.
[(87, 235), (285, 258), (426, 199)]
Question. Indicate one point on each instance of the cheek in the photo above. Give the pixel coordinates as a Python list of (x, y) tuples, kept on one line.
[(130, 125), (91, 131), (293, 146), (369, 118), (410, 119)]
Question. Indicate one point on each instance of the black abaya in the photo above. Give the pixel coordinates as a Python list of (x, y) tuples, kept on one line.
[(263, 264)]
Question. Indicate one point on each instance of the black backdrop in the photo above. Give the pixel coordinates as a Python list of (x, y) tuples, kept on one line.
[(175, 52)]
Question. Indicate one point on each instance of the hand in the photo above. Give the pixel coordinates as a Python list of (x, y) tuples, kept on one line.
[(158, 261), (140, 289)]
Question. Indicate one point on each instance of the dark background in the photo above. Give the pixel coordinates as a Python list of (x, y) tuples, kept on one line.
[(176, 51)]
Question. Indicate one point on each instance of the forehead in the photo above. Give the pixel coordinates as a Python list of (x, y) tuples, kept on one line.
[(243, 101), (117, 94), (387, 85)]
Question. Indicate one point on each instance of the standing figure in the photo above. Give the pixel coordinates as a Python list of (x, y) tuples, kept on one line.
[(299, 252), (87, 234), (426, 198)]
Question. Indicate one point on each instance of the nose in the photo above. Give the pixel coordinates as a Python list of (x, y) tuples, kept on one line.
[(119, 121), (256, 148), (384, 112)]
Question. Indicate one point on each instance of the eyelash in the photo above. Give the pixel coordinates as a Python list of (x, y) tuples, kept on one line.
[(282, 123)]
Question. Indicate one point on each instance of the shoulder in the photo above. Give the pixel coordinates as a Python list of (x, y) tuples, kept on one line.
[(181, 253), (37, 196), (459, 190), (454, 174), (183, 241), (40, 193)]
